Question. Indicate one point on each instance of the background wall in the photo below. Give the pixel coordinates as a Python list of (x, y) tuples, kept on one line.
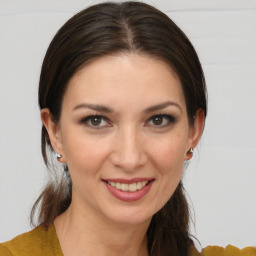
[(221, 179)]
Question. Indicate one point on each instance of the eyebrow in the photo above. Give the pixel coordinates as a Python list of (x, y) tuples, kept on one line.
[(161, 106), (102, 108), (95, 107)]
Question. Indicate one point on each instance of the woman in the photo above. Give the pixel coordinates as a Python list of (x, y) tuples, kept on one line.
[(123, 104)]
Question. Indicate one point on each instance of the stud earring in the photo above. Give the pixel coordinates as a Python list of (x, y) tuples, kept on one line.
[(58, 156), (190, 151)]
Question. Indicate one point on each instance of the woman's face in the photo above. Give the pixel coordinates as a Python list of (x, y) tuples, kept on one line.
[(124, 134)]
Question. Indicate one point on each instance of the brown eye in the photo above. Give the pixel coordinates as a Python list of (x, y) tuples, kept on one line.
[(161, 121), (95, 121), (157, 120)]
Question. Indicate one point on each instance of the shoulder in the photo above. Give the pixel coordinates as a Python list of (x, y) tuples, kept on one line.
[(37, 242), (229, 250), (221, 251)]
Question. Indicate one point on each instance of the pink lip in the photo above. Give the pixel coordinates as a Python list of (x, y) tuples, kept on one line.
[(126, 195), (129, 181)]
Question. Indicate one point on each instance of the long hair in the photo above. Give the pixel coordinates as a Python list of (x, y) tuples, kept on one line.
[(116, 28)]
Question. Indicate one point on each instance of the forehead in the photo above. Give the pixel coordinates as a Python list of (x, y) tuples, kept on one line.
[(123, 79)]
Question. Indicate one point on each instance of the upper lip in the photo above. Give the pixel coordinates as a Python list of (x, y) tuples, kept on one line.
[(127, 181)]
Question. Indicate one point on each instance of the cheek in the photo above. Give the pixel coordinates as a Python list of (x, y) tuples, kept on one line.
[(168, 155), (84, 154), (168, 159)]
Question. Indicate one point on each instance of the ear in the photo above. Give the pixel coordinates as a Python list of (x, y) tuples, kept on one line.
[(195, 131), (53, 132)]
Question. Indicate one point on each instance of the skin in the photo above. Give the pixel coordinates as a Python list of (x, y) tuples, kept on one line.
[(127, 143)]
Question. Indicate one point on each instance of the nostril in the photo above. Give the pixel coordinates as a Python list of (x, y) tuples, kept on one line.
[(127, 161)]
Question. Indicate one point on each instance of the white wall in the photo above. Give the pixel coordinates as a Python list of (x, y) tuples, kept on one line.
[(221, 180)]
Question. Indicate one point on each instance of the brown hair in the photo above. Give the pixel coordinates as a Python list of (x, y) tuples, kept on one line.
[(111, 28)]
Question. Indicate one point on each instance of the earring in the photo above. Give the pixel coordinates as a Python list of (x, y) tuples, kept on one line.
[(190, 151), (58, 156)]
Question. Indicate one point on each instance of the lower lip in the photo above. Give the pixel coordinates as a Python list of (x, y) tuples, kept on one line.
[(129, 196)]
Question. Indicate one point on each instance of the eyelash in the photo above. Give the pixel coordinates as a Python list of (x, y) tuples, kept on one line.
[(87, 119), (170, 120)]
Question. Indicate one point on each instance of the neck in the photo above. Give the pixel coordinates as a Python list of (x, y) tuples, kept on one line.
[(87, 234)]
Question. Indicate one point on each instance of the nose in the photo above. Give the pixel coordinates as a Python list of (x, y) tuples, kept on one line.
[(129, 152)]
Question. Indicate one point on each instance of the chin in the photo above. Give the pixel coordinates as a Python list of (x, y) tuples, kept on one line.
[(131, 216)]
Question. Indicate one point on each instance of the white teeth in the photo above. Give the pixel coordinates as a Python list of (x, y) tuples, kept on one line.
[(128, 187), (132, 187), (139, 185), (118, 185), (124, 187)]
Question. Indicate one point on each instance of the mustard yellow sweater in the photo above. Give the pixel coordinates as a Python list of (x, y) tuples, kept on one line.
[(44, 242)]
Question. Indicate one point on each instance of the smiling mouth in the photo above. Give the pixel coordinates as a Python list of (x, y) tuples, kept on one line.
[(132, 187), (128, 187)]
